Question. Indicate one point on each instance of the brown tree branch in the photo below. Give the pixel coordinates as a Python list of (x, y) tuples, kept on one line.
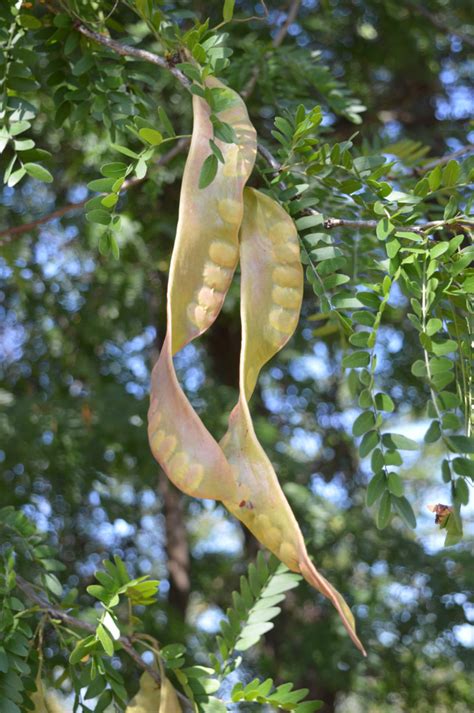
[(440, 23), (71, 621), (129, 51), (331, 223), (277, 41), (273, 163), (8, 233), (177, 546), (469, 148), (269, 158), (25, 227), (265, 153), (418, 171), (290, 18)]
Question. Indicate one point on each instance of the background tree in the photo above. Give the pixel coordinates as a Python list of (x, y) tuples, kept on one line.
[(383, 345)]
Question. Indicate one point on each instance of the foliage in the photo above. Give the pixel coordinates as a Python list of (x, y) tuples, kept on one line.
[(284, 697), (102, 209), (423, 261), (427, 268), (254, 608), (89, 667)]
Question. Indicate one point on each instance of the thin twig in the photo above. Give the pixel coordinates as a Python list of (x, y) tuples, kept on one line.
[(440, 23), (290, 18), (469, 148), (269, 158), (331, 223), (257, 18), (277, 41), (145, 55), (418, 171), (128, 51), (71, 207), (274, 164), (26, 227), (73, 622)]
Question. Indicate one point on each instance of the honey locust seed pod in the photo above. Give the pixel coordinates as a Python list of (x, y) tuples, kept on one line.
[(285, 276), (223, 254)]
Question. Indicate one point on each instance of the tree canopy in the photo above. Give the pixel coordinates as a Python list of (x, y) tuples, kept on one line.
[(118, 591)]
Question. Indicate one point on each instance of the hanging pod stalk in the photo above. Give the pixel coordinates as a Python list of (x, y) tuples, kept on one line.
[(237, 471)]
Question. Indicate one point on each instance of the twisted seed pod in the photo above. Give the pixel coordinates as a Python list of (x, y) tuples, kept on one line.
[(271, 296), (205, 256), (237, 471), (154, 697)]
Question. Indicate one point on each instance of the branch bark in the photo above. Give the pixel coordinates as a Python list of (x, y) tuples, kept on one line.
[(331, 223), (290, 18), (74, 623), (277, 41), (129, 51), (177, 546), (469, 148), (440, 23), (8, 233)]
